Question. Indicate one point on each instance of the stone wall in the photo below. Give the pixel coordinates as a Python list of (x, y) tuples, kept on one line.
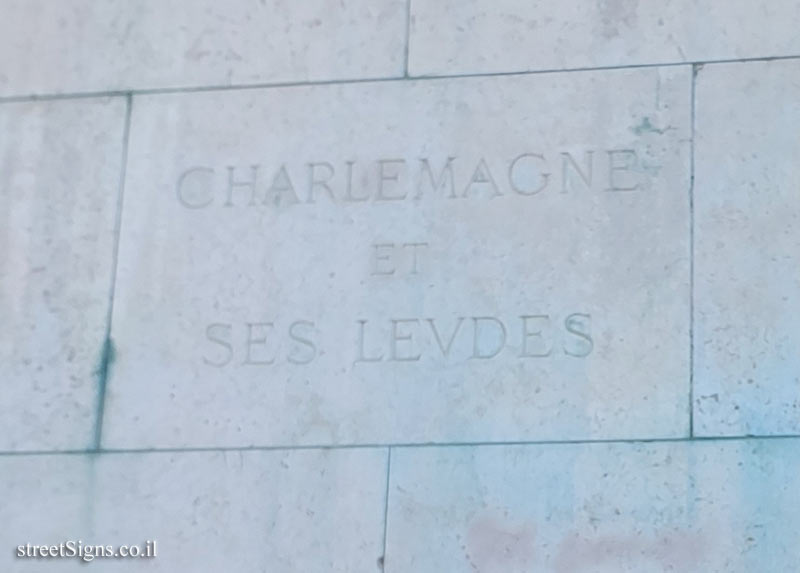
[(400, 285)]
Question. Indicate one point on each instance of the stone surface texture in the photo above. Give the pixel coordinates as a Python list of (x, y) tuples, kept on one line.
[(485, 36), (207, 511), (747, 201), (60, 168), (400, 286), (574, 508), (561, 305), (73, 46)]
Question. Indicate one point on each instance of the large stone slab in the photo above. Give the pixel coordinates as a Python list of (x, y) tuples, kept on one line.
[(689, 506), (451, 260), (59, 181), (205, 511), (747, 241), (51, 46), (479, 36)]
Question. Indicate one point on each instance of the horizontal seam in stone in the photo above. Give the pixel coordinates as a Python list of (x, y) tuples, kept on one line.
[(405, 445), (273, 85)]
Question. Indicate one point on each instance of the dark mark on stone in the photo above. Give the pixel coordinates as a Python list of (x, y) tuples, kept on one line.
[(107, 356), (646, 127)]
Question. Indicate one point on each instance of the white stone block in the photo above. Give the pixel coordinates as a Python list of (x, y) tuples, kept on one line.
[(480, 36), (602, 508), (309, 510), (290, 274), (59, 185), (747, 245), (49, 46)]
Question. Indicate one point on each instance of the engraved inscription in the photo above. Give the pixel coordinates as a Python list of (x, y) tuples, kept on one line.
[(387, 180), (260, 343), (391, 258), (474, 338), (298, 342)]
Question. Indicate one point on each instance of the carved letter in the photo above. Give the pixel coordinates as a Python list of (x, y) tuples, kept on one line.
[(480, 176), (414, 247), (445, 175), (200, 203), (526, 334), (226, 332), (314, 182), (396, 337), (382, 257), (579, 325), (251, 184), (568, 161), (528, 175), (312, 349), (629, 158), (281, 184), (253, 341), (383, 177), (361, 357), (478, 337), (348, 196), (445, 349)]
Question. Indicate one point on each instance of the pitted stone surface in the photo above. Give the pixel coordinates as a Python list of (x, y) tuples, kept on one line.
[(60, 167), (67, 46), (485, 36), (633, 508), (206, 511), (747, 213)]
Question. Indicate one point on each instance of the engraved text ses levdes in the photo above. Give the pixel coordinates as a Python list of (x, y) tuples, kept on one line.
[(461, 338)]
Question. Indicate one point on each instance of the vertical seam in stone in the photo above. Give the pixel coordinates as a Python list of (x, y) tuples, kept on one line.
[(386, 505), (695, 69), (408, 38), (107, 354)]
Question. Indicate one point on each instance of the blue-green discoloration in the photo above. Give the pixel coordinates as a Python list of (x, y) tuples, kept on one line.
[(108, 355), (646, 127)]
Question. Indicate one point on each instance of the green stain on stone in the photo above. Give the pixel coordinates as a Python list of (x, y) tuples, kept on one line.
[(646, 127), (107, 356)]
